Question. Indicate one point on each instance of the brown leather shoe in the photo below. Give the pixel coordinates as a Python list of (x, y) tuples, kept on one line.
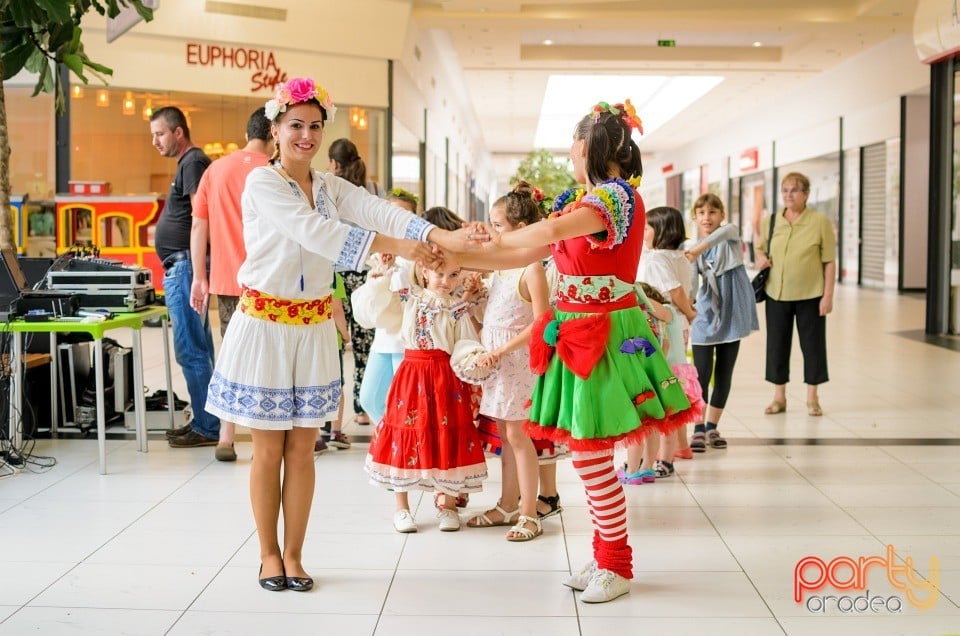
[(178, 432), (192, 439)]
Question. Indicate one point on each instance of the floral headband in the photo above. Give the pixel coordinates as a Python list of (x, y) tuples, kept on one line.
[(626, 111), (296, 91), (400, 193)]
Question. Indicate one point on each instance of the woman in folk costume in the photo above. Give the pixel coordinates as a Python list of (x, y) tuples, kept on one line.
[(603, 378), (278, 370)]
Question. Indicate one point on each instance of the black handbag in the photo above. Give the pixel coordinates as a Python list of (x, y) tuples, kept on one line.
[(759, 281)]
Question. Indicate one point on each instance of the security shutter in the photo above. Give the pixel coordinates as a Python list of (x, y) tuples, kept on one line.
[(873, 229)]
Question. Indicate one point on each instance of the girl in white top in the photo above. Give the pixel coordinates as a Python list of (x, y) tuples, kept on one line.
[(427, 440), (278, 370), (664, 266)]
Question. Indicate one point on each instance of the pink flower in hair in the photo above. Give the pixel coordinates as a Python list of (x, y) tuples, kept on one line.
[(296, 91), (301, 89)]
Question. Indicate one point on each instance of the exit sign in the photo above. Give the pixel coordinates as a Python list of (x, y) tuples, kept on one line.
[(666, 43)]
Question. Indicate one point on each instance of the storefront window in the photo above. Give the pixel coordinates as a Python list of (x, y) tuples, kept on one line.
[(752, 205), (366, 128), (110, 135), (954, 320), (405, 163), (30, 124)]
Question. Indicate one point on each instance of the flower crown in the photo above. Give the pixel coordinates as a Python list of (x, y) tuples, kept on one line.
[(626, 111), (400, 193), (296, 91)]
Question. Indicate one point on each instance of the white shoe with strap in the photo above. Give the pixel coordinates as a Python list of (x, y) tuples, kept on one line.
[(403, 521), (449, 520)]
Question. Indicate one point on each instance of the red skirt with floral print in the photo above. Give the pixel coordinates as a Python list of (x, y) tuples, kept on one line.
[(427, 439)]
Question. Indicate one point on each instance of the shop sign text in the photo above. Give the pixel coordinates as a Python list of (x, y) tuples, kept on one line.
[(266, 74)]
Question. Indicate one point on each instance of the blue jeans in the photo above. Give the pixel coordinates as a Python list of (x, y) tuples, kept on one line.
[(192, 345), (376, 383)]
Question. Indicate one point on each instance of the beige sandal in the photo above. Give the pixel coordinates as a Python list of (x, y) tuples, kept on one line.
[(813, 409), (775, 407), (522, 533), (483, 521)]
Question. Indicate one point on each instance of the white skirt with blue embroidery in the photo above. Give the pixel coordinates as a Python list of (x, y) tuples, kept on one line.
[(274, 376)]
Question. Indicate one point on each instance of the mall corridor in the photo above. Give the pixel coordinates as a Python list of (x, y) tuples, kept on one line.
[(165, 543)]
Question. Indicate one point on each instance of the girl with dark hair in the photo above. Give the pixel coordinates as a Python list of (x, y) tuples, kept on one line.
[(603, 379)]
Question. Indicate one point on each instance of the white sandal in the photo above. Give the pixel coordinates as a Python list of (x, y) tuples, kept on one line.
[(483, 521), (525, 533)]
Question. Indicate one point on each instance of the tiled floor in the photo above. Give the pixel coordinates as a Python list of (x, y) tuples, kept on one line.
[(165, 543)]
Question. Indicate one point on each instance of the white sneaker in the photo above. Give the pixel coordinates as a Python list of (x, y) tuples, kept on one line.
[(605, 586), (581, 579), (403, 521), (449, 520)]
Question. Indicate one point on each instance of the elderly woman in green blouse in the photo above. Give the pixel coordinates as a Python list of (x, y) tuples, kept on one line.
[(802, 258)]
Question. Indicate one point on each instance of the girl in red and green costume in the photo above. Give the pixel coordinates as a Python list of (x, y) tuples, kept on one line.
[(603, 378)]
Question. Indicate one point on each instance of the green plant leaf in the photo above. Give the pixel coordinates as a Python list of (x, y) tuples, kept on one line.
[(35, 61), (74, 62), (56, 10), (14, 59)]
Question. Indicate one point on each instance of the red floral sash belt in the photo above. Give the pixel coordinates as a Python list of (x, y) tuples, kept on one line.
[(288, 312), (597, 293)]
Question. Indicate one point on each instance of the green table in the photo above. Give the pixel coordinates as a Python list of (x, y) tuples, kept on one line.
[(133, 321)]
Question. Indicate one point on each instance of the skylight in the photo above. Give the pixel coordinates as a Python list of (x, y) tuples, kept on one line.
[(657, 99)]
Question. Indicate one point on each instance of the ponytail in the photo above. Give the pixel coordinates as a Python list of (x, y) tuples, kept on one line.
[(609, 144)]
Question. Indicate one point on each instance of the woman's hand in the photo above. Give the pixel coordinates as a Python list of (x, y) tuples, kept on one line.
[(469, 237), (387, 260), (826, 305), (418, 253), (760, 261)]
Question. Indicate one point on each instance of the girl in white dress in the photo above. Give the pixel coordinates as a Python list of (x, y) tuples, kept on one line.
[(516, 296)]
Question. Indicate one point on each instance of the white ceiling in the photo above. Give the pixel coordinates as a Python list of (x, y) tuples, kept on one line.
[(499, 45)]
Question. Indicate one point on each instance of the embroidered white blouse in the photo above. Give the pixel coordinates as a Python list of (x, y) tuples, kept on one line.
[(292, 249), (434, 322)]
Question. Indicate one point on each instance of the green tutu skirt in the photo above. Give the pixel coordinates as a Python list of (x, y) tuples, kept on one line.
[(630, 393)]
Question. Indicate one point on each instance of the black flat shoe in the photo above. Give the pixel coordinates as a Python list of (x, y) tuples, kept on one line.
[(274, 583), (299, 583)]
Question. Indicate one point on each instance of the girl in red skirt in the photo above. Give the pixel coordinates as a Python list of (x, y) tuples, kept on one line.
[(427, 440)]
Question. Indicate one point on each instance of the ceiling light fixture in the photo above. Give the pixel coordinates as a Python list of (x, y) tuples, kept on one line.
[(758, 44), (658, 99), (129, 106), (548, 42)]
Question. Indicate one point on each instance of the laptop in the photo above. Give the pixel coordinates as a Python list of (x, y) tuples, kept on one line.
[(16, 296)]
